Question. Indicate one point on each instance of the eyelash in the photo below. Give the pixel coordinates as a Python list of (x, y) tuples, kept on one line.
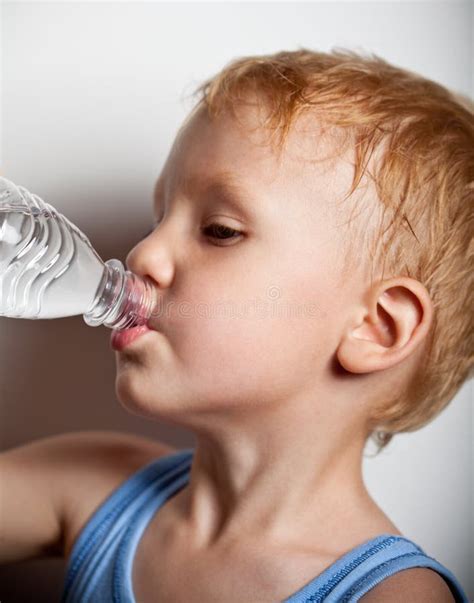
[(218, 228)]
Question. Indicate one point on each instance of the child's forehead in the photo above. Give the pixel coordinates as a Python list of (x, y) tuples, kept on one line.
[(307, 135), (241, 143)]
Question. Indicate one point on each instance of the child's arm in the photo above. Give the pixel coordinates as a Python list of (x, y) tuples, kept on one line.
[(51, 486)]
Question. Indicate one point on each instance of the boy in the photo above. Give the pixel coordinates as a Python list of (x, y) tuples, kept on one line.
[(333, 191)]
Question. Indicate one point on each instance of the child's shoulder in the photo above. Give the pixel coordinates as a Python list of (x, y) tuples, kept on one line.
[(94, 464), (420, 584)]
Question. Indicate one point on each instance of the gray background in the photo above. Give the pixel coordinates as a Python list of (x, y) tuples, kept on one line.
[(92, 95)]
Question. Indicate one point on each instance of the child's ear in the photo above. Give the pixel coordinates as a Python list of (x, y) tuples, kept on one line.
[(395, 320)]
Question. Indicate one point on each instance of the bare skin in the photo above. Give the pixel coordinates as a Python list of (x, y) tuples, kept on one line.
[(278, 402)]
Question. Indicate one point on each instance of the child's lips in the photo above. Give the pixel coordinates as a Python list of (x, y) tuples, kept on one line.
[(119, 340)]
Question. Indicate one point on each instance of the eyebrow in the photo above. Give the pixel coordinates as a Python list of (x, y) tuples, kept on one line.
[(223, 185)]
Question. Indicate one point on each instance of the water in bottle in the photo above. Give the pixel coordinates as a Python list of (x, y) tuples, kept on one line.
[(49, 269)]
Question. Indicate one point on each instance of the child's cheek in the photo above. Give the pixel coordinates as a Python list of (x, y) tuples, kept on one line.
[(243, 351)]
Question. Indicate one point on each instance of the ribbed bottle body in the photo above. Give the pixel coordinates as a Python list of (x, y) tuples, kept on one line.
[(49, 269)]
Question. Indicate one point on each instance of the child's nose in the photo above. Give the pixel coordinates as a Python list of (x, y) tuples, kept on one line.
[(152, 258)]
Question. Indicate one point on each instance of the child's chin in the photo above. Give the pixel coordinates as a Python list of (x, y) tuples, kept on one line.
[(132, 403)]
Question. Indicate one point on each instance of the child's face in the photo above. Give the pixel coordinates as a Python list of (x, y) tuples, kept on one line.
[(251, 319)]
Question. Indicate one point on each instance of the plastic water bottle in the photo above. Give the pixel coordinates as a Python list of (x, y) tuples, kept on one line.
[(49, 269)]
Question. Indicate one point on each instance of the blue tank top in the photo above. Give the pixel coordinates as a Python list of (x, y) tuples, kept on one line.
[(99, 569)]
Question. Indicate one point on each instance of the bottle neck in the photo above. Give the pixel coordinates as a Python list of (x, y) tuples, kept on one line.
[(123, 299)]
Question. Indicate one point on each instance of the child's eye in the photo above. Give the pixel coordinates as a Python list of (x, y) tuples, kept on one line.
[(215, 231), (221, 232)]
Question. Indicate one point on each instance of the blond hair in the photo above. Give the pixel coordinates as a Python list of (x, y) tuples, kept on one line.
[(424, 183)]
